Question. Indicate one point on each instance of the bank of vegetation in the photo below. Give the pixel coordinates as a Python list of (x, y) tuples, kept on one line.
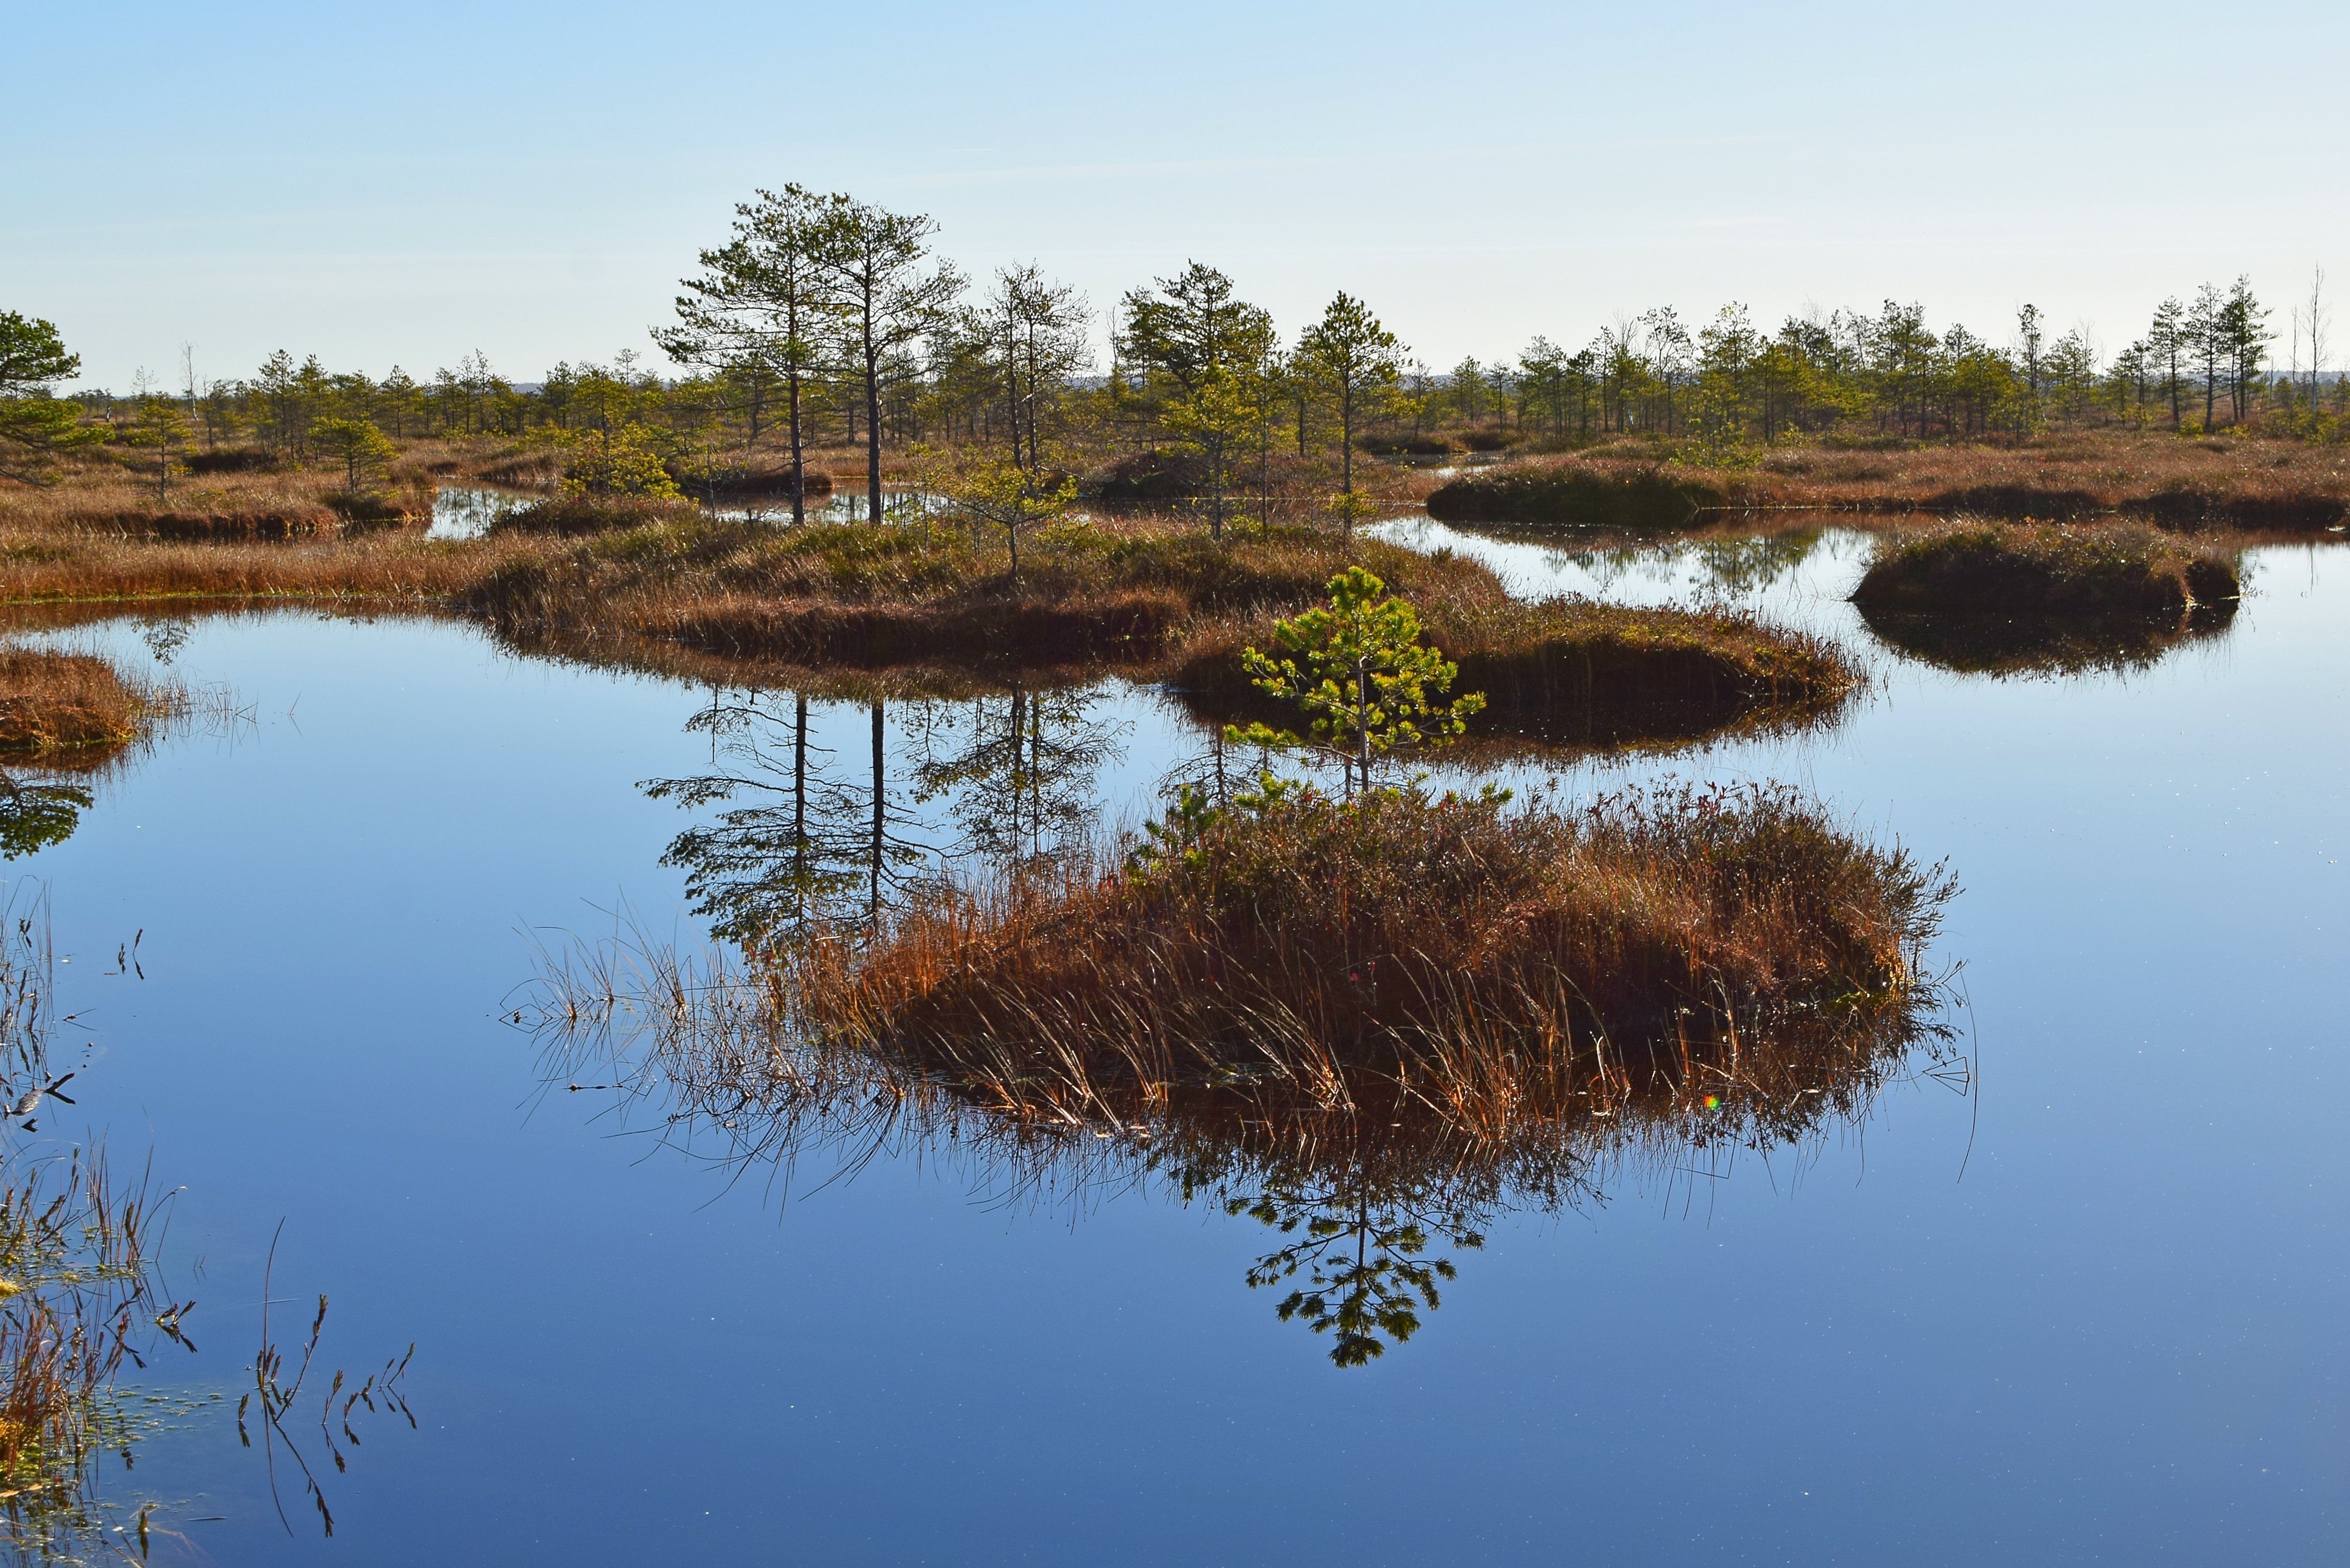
[(1371, 1025), (1151, 596), (2222, 482), (824, 340), (2110, 569), (2046, 599), (71, 711), (1480, 958)]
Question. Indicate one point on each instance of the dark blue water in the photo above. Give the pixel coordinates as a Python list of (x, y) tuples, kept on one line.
[(2091, 1313)]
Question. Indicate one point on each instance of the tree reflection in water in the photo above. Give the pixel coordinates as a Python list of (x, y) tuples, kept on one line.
[(1370, 1183), (799, 840), (1367, 1186), (2046, 643), (34, 816), (1020, 769), (804, 840), (1728, 565)]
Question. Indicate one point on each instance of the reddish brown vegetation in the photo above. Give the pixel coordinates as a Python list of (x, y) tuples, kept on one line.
[(1485, 964), (2109, 569), (2224, 482), (55, 704)]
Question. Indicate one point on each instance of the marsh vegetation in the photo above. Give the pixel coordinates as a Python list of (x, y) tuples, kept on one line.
[(1399, 948), (2045, 598), (1372, 1027)]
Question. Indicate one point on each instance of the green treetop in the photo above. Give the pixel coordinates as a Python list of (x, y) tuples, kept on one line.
[(1367, 684), (364, 451), (32, 423)]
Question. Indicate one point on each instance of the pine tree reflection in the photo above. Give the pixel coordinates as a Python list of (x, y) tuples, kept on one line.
[(798, 841), (803, 839), (1369, 1187), (1021, 770)]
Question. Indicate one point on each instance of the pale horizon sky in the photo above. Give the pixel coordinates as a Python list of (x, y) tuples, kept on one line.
[(408, 184)]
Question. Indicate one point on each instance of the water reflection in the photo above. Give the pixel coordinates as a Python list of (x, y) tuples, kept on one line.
[(1002, 779), (1372, 1179), (34, 816), (1727, 566), (1727, 563), (1018, 772), (467, 511), (1370, 1188), (2062, 644)]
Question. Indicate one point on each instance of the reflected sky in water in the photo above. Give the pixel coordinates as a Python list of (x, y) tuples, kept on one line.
[(466, 511), (2115, 1338)]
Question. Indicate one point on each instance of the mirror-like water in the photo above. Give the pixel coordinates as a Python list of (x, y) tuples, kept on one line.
[(2086, 1312), (466, 511)]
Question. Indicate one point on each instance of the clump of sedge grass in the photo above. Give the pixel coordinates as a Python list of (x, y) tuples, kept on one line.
[(74, 1283), (57, 707), (1576, 672), (2046, 568), (1481, 960)]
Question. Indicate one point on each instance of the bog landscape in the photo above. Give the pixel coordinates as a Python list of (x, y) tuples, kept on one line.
[(921, 885)]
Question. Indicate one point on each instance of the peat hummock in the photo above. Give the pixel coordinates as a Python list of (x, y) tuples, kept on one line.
[(63, 709), (1577, 673), (2046, 599), (1481, 959), (2178, 483), (2096, 569)]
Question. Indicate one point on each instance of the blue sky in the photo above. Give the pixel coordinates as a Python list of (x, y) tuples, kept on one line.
[(407, 182)]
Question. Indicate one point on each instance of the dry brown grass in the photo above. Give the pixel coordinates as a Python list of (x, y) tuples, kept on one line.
[(1572, 672), (1469, 955), (99, 493), (60, 707), (2220, 482), (1144, 595), (2090, 570), (1446, 989), (2046, 599), (1119, 592)]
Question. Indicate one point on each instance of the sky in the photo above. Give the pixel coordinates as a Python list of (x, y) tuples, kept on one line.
[(406, 184)]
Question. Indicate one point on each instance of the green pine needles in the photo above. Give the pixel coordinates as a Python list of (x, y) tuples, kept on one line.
[(1368, 685)]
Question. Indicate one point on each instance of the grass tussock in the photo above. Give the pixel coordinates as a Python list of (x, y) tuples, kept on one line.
[(60, 707), (1118, 592), (2176, 483), (2102, 569), (1578, 494), (1574, 672), (2044, 598), (1480, 961)]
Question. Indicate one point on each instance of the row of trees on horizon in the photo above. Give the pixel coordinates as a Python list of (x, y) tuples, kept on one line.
[(824, 321)]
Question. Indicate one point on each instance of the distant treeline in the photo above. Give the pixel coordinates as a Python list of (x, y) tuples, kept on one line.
[(824, 321)]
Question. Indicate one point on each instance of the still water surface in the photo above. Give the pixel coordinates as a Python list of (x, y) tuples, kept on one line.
[(2090, 1311), (466, 511)]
